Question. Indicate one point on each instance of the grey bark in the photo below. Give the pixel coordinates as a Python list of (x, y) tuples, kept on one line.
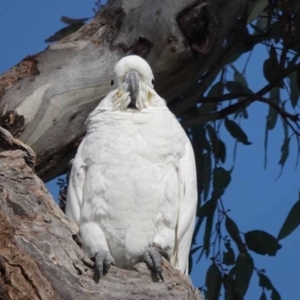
[(45, 99)]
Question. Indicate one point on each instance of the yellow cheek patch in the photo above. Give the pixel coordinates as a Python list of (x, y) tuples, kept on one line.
[(119, 94), (149, 96)]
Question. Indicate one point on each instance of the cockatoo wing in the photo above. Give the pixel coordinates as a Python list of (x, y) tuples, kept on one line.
[(75, 187), (187, 207)]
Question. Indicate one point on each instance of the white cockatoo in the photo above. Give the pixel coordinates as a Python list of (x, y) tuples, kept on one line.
[(132, 188)]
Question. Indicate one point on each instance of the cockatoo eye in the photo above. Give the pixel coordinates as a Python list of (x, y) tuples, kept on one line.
[(152, 81), (112, 83)]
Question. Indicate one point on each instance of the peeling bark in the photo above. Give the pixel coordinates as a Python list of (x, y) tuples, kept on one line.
[(54, 91), (39, 258)]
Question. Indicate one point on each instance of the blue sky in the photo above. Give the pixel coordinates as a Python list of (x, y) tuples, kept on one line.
[(256, 200)]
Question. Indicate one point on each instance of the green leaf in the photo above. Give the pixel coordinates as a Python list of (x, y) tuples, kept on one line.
[(207, 175), (228, 256), (271, 67), (194, 250), (235, 130), (218, 146), (243, 272), (255, 9), (265, 282), (199, 138), (206, 209), (216, 90), (239, 77), (262, 242), (221, 151), (284, 148), (276, 32), (291, 222), (235, 86), (200, 144), (233, 231), (284, 151), (275, 295), (229, 283), (208, 107), (293, 78), (221, 180), (271, 119), (263, 296), (213, 282), (207, 233), (273, 114), (212, 135)]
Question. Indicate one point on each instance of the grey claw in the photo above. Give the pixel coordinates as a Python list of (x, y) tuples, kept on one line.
[(153, 259), (103, 261)]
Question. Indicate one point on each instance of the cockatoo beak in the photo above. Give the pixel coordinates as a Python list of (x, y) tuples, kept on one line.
[(132, 79)]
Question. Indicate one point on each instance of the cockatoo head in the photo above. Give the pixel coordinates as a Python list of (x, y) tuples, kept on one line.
[(134, 83)]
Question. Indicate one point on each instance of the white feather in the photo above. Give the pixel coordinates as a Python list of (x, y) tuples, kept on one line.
[(133, 181)]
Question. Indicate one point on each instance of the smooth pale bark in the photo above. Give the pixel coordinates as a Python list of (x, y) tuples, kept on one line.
[(45, 99)]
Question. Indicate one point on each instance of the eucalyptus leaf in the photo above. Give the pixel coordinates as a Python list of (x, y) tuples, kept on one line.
[(229, 283), (262, 242), (236, 132), (243, 272), (221, 180), (275, 295), (265, 282), (235, 86), (273, 114), (291, 222), (255, 9), (239, 77), (207, 174), (293, 79), (207, 233), (233, 231), (263, 296), (271, 67), (213, 282), (284, 151), (216, 90), (218, 146), (228, 257)]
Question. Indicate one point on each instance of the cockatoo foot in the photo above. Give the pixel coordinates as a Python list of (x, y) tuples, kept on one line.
[(153, 258), (103, 261)]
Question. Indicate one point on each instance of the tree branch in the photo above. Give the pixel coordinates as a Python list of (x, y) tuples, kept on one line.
[(245, 103), (8, 142)]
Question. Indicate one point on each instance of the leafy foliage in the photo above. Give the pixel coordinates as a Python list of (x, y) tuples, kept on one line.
[(267, 24)]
